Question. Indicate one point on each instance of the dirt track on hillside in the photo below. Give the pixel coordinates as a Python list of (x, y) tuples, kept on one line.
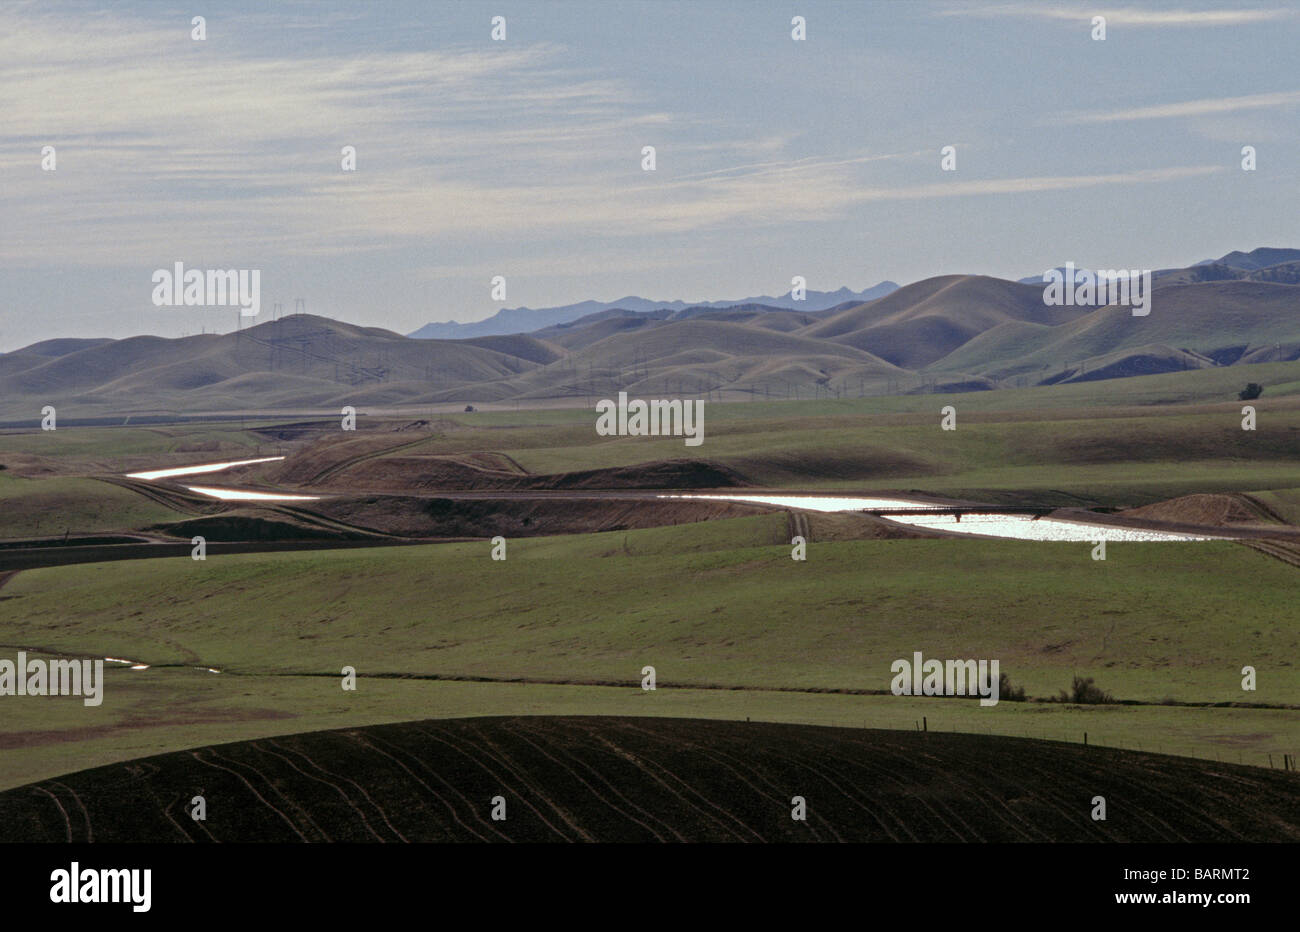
[(1211, 510)]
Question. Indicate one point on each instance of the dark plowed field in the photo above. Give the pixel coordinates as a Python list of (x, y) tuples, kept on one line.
[(651, 779)]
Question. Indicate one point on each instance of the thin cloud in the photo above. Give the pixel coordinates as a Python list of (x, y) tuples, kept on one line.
[(1191, 108), (1041, 183), (765, 168), (1128, 16)]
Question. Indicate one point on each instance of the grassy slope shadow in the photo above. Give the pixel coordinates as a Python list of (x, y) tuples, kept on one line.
[(643, 779)]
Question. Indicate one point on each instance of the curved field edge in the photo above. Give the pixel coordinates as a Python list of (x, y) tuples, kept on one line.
[(628, 779), (177, 709)]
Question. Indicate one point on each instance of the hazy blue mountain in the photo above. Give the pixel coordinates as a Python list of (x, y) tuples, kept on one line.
[(1231, 266), (1260, 258), (1038, 279), (528, 320)]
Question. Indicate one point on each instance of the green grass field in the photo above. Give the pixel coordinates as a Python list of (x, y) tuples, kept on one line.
[(1152, 621), (565, 625), (105, 442)]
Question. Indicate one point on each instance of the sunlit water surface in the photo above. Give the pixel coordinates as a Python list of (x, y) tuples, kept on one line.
[(1020, 527), (195, 470), (225, 495)]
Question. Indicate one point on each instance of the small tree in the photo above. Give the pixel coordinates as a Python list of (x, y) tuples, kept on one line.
[(1252, 391)]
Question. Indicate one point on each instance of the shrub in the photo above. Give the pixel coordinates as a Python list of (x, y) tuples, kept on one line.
[(1252, 391), (1007, 692), (1085, 692)]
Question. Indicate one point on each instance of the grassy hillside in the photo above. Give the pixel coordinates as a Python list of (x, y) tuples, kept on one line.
[(301, 360), (1284, 502), (51, 507), (1203, 317), (920, 324), (1124, 442), (718, 604), (565, 625), (1113, 457), (86, 449), (962, 332)]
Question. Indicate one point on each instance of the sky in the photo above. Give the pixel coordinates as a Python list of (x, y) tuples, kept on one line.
[(522, 157)]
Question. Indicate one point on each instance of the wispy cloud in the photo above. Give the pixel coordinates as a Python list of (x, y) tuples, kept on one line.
[(167, 144), (1190, 108), (1126, 16), (169, 147), (164, 140), (787, 166)]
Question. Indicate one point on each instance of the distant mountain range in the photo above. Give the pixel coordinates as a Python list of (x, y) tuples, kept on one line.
[(950, 333), (530, 320), (1038, 279), (526, 320), (1262, 258)]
